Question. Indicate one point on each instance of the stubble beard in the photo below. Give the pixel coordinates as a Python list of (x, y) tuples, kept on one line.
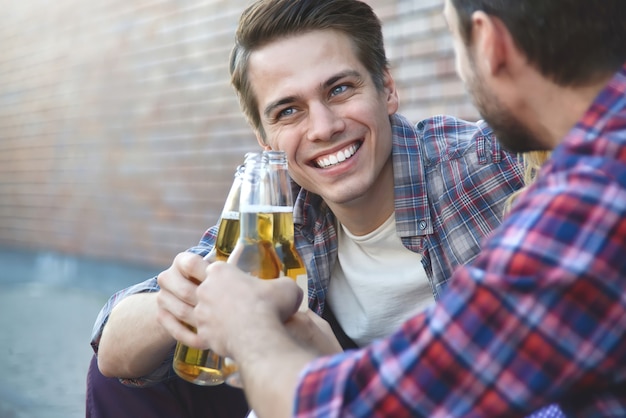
[(514, 135)]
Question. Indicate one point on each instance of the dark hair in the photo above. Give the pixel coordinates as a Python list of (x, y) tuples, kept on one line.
[(267, 20), (573, 42)]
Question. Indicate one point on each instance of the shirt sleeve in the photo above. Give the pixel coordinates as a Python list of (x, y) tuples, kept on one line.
[(165, 370), (538, 314)]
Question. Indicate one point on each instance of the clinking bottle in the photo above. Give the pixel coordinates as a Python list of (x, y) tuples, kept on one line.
[(272, 224), (264, 248), (204, 367), (254, 252), (282, 207)]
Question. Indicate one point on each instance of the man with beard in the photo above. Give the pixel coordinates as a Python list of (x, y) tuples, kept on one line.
[(539, 316)]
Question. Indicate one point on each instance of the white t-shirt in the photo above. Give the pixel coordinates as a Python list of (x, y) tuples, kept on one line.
[(376, 283)]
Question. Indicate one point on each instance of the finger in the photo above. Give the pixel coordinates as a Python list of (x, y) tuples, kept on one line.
[(318, 320), (173, 305), (181, 278), (211, 257), (172, 283), (331, 343), (312, 331), (206, 323), (285, 294), (179, 331), (191, 266)]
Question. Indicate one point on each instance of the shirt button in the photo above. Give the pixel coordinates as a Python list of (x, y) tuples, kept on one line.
[(423, 225)]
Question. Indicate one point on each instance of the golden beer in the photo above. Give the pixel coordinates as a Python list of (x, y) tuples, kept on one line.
[(255, 254), (266, 248), (227, 236), (292, 263), (282, 208), (204, 367)]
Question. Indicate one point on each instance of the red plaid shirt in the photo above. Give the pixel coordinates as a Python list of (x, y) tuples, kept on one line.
[(538, 317)]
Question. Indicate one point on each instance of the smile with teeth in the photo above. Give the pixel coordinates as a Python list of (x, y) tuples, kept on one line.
[(338, 157)]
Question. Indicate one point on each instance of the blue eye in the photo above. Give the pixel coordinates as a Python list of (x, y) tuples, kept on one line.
[(286, 112), (338, 90)]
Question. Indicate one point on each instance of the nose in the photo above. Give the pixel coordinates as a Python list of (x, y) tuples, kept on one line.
[(323, 122)]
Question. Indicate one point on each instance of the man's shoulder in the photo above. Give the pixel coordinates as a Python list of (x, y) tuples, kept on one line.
[(439, 125), (443, 137), (447, 135)]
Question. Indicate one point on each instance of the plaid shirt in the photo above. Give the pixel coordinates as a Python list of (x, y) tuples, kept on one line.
[(451, 181), (538, 317)]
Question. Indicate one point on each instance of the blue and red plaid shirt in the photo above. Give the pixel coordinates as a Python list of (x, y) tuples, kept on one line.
[(538, 317)]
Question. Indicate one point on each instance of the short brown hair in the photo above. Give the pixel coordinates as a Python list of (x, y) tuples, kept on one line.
[(573, 42), (267, 20)]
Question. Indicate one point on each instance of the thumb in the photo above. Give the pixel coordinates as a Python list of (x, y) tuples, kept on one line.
[(286, 296)]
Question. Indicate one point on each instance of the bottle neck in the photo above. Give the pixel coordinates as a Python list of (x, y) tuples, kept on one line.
[(280, 182), (255, 202), (231, 205)]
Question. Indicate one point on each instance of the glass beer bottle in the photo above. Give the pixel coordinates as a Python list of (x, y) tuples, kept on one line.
[(204, 367), (282, 207), (254, 252)]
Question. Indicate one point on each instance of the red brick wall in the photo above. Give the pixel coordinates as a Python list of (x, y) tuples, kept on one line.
[(119, 131)]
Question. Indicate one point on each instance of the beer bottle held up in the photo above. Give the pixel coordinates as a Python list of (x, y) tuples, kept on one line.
[(204, 367), (254, 252), (282, 207)]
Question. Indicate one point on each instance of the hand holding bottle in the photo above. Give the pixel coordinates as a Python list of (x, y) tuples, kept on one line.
[(177, 296), (256, 234), (204, 367), (233, 305)]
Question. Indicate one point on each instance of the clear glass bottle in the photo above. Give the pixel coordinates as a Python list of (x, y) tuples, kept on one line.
[(254, 252), (204, 367), (282, 207)]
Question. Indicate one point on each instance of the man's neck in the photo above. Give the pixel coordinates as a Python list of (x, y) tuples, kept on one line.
[(371, 210), (557, 109)]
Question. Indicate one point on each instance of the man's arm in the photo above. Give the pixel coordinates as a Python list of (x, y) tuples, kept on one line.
[(538, 316), (133, 343), (264, 380), (538, 306)]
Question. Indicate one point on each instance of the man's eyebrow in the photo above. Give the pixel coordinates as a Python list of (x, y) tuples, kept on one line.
[(344, 74), (326, 84), (280, 102)]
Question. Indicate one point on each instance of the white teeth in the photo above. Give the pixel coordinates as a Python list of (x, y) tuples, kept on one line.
[(338, 157)]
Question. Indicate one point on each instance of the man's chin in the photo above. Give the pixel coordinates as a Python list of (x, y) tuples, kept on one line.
[(520, 146), (516, 139), (511, 133)]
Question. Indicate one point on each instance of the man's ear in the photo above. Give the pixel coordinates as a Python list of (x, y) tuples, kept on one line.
[(391, 92), (262, 141), (487, 43), (494, 47)]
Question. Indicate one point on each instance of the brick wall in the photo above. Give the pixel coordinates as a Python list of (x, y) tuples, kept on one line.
[(119, 131)]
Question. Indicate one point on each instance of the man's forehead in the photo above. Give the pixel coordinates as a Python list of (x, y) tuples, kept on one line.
[(277, 55)]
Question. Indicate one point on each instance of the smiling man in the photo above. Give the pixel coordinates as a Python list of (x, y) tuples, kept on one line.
[(539, 316), (386, 208), (319, 104)]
